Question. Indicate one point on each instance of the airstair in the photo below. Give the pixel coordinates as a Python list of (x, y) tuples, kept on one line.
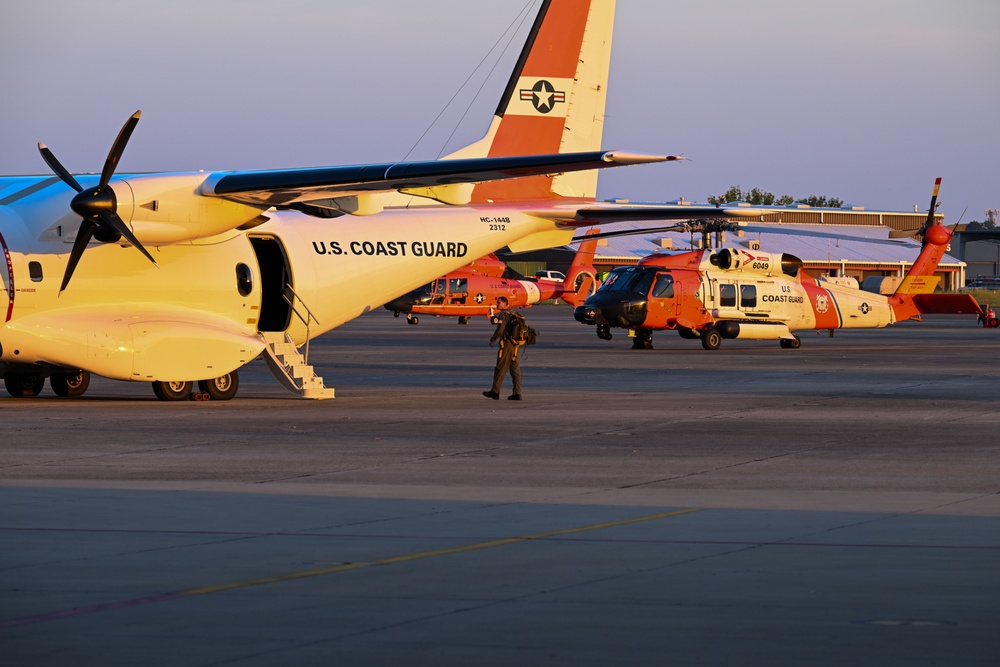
[(287, 364)]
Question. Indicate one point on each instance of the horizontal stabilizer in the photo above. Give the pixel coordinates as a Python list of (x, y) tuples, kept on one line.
[(947, 304)]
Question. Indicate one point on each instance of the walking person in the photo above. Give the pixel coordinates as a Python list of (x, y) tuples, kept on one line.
[(511, 331)]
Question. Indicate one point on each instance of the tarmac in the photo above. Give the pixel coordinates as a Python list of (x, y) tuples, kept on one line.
[(835, 504)]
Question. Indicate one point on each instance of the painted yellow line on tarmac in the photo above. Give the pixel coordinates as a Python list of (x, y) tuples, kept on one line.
[(433, 554), (205, 590)]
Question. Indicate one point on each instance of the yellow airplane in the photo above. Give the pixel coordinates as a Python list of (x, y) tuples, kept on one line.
[(180, 279)]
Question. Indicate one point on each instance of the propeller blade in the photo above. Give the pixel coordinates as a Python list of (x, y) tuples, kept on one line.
[(59, 170), (118, 148), (83, 236), (111, 219)]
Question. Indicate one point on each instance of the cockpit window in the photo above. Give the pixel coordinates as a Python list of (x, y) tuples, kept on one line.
[(664, 288), (459, 286), (441, 286), (630, 278)]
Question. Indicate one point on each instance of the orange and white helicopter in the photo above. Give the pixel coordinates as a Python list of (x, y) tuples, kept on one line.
[(749, 294), (477, 288)]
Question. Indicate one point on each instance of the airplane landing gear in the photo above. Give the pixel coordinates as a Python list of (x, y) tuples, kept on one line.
[(604, 332), (71, 384), (172, 391), (24, 385), (221, 388), (412, 319)]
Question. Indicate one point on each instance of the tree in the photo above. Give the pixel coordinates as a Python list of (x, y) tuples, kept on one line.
[(821, 202), (764, 198), (754, 196)]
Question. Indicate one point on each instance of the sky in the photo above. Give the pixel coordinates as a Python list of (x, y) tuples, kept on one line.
[(867, 101)]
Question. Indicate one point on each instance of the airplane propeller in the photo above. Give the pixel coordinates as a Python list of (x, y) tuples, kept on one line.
[(96, 206)]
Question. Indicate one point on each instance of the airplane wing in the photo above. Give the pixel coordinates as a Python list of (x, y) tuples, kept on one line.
[(290, 186)]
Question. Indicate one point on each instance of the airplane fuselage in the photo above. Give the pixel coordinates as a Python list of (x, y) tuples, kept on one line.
[(197, 311)]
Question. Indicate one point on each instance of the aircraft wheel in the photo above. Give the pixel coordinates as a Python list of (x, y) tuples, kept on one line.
[(23, 385), (462, 319), (70, 384), (643, 340), (711, 339), (604, 332), (791, 343), (172, 391), (410, 319), (994, 323), (221, 388)]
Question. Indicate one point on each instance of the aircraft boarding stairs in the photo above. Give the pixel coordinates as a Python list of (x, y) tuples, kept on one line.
[(287, 364), (290, 368)]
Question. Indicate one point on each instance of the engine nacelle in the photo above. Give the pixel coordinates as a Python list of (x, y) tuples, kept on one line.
[(165, 209), (756, 262)]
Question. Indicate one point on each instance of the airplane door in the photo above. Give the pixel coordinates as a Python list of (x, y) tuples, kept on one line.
[(275, 274)]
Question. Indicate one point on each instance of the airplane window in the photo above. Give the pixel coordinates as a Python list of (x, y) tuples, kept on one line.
[(664, 287), (35, 271), (748, 296), (727, 295), (244, 279)]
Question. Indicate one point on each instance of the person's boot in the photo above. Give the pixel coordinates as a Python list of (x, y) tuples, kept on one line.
[(492, 394), (514, 397)]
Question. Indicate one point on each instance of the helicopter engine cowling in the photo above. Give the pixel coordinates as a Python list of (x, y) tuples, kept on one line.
[(757, 262)]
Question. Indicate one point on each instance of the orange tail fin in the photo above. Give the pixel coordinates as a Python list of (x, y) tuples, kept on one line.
[(915, 294), (581, 281)]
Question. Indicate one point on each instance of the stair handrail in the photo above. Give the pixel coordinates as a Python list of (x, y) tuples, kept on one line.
[(305, 320)]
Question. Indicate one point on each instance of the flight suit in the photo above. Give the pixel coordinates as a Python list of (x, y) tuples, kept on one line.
[(508, 359)]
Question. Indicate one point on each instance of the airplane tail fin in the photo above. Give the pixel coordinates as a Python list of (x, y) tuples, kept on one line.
[(554, 101), (915, 294), (581, 280)]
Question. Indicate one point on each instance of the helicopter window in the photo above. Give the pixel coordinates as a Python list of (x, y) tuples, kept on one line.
[(748, 296), (244, 279), (664, 287), (727, 295), (35, 271), (441, 286), (458, 286), (643, 282), (609, 283)]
